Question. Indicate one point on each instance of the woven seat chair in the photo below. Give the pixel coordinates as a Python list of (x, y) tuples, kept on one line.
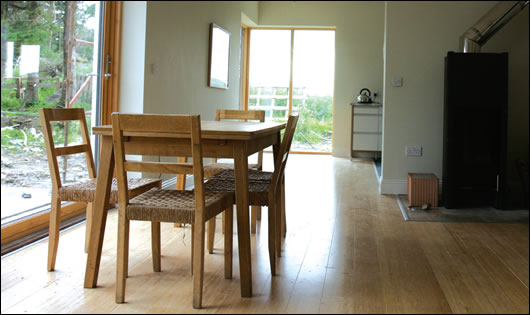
[(259, 176), (133, 134), (81, 191), (240, 115), (265, 193), (215, 168)]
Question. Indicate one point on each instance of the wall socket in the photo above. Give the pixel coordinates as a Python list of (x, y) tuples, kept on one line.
[(413, 150)]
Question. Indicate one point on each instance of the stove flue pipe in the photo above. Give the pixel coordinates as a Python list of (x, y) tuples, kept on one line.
[(473, 39)]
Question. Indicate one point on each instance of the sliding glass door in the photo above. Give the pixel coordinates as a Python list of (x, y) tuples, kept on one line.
[(50, 58), (292, 71), (313, 73), (269, 72)]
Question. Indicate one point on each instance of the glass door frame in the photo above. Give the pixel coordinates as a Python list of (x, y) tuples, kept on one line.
[(290, 101), (107, 95)]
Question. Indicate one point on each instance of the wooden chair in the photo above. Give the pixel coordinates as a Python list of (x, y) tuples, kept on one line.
[(234, 114), (215, 168), (265, 192), (85, 190), (137, 134)]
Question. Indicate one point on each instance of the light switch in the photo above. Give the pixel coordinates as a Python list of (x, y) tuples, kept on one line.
[(397, 81)]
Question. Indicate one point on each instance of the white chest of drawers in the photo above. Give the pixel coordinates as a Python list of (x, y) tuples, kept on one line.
[(366, 128)]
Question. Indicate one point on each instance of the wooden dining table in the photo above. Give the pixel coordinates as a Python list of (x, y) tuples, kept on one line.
[(220, 139)]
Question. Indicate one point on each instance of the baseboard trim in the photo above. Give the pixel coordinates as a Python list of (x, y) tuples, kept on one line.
[(340, 152), (393, 187), (402, 208)]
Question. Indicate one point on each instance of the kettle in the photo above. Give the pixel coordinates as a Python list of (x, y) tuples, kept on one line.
[(364, 96)]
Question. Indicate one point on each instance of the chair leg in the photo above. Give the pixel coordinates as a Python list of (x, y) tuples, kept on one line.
[(53, 240), (123, 257), (284, 218), (229, 224), (272, 237), (192, 246), (258, 209), (278, 223), (89, 215), (211, 234), (253, 218), (223, 221), (156, 246), (127, 227), (198, 263)]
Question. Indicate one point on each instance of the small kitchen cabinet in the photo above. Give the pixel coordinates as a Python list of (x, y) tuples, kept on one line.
[(366, 128)]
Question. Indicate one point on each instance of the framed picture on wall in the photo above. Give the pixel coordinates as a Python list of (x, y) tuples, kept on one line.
[(219, 57)]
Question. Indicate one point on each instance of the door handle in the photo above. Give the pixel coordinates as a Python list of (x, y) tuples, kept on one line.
[(107, 67)]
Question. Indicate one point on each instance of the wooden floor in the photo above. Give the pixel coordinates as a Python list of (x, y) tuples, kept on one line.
[(348, 250)]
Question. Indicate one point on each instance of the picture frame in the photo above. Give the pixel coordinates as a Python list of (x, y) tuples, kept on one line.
[(219, 57)]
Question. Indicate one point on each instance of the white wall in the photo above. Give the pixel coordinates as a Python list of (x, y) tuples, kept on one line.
[(165, 57), (358, 49), (133, 57), (132, 62), (418, 36), (413, 37), (176, 57), (249, 12), (177, 49)]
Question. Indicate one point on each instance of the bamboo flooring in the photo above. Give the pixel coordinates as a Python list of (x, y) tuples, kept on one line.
[(347, 250)]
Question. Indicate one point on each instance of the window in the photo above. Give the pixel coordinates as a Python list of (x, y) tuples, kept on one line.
[(301, 61), (53, 55)]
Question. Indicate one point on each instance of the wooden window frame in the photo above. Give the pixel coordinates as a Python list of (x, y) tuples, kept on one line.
[(19, 229), (247, 70), (112, 52), (109, 103), (245, 30)]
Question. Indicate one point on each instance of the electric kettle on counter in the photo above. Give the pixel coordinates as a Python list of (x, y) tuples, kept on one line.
[(364, 96)]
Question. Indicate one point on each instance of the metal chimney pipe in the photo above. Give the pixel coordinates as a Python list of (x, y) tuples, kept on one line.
[(489, 24)]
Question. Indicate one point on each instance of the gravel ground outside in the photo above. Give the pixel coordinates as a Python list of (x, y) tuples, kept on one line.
[(25, 175)]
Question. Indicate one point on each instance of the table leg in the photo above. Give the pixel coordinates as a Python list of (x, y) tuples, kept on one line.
[(104, 182), (277, 208), (243, 228)]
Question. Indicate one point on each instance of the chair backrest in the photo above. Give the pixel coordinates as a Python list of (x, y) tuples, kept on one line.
[(281, 159), (48, 115), (240, 114), (244, 115), (142, 134)]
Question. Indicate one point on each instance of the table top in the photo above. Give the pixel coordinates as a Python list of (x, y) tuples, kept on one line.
[(212, 129)]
